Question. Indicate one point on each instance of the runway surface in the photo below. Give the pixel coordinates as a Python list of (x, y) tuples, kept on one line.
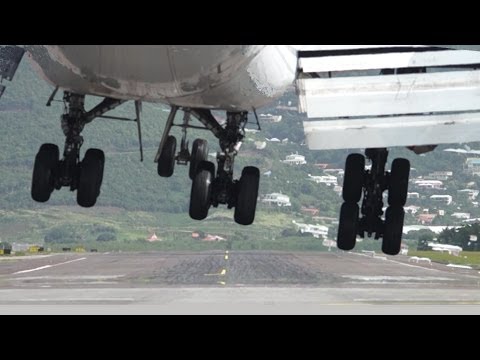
[(233, 282)]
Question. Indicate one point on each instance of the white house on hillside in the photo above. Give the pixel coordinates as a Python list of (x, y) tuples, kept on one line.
[(316, 230), (295, 159), (328, 180), (276, 199), (446, 199)]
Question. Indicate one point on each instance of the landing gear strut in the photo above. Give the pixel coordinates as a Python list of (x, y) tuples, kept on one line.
[(373, 183), (212, 186), (84, 176)]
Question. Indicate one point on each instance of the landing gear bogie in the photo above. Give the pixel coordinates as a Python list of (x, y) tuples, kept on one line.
[(85, 176), (212, 188), (373, 183)]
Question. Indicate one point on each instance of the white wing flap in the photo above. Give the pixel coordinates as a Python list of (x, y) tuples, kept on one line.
[(389, 110), (391, 94), (390, 132), (388, 61)]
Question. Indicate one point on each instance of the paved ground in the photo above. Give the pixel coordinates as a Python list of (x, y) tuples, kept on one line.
[(236, 282)]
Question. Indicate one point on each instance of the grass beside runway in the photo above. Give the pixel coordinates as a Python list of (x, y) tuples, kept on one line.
[(132, 228), (465, 259)]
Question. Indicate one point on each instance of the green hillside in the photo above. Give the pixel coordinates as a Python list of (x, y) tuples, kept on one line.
[(133, 190)]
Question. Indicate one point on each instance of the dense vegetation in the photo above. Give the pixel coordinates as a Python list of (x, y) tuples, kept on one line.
[(133, 187)]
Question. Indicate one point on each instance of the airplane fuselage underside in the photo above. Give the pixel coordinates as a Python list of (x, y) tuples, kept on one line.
[(228, 77)]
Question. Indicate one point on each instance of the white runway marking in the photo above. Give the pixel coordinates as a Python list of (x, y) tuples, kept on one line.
[(79, 299), (47, 266)]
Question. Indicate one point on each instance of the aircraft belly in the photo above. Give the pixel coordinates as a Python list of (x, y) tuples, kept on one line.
[(187, 75)]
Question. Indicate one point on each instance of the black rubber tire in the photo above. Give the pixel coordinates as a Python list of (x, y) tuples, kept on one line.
[(398, 188), (199, 154), (353, 178), (247, 196), (166, 163), (200, 196), (348, 226), (43, 178), (90, 178), (392, 237)]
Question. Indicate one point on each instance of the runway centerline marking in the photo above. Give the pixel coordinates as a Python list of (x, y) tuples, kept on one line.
[(222, 273), (48, 266)]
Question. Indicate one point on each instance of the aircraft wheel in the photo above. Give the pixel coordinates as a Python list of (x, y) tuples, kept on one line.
[(247, 196), (200, 196), (392, 238), (348, 225), (353, 179), (398, 189), (44, 172), (166, 163), (90, 178), (199, 154)]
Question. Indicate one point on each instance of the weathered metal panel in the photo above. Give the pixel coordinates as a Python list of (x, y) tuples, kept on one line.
[(393, 131), (391, 95), (388, 61), (347, 47)]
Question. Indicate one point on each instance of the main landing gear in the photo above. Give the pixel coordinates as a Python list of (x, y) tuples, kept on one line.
[(52, 172), (372, 183), (212, 186)]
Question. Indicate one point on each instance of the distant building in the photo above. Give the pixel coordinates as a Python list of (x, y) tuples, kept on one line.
[(451, 249), (260, 145), (440, 175), (273, 140), (295, 159), (446, 199), (213, 238), (153, 238), (462, 216), (426, 219), (327, 180), (473, 166), (270, 118), (310, 211), (276, 199), (316, 230), (339, 172), (429, 184), (413, 195), (412, 209), (471, 194)]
